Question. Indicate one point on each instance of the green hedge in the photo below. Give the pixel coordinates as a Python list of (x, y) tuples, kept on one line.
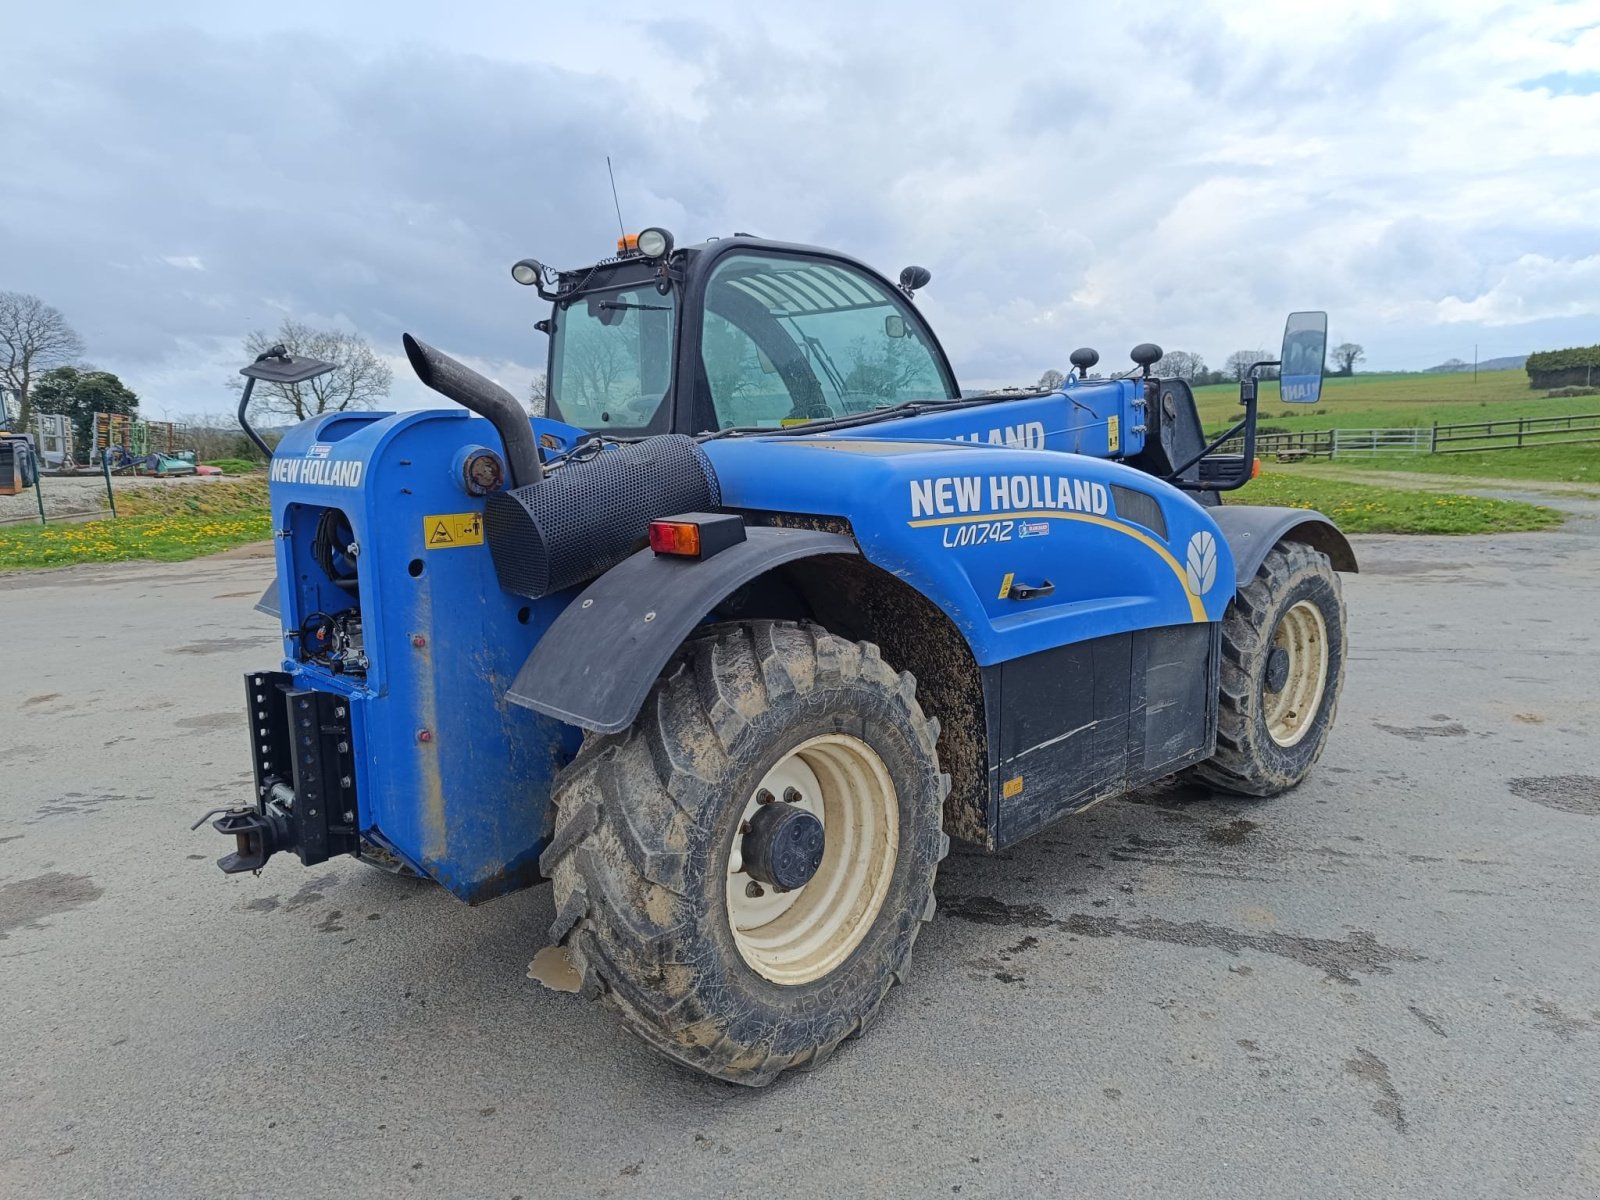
[(1576, 365)]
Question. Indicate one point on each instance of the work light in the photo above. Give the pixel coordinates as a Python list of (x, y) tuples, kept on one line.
[(655, 243), (528, 272)]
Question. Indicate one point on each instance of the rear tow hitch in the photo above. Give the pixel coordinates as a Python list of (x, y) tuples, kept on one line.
[(305, 778), (259, 835)]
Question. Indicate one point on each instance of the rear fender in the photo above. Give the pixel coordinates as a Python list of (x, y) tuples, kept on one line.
[(1252, 531), (595, 665)]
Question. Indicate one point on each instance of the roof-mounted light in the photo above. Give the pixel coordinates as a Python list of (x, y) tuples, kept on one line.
[(654, 242), (528, 271)]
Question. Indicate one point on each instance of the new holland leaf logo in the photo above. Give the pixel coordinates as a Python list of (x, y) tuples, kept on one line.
[(1200, 566)]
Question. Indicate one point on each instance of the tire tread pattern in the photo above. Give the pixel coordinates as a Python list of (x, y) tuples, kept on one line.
[(1245, 760), (626, 832)]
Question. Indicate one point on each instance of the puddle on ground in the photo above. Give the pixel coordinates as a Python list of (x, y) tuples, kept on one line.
[(25, 902), (1233, 833), (1370, 1069), (1566, 793), (1417, 733), (220, 645), (216, 720), (1338, 959)]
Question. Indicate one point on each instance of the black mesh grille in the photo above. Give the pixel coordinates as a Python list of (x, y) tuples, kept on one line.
[(586, 517), (1134, 505)]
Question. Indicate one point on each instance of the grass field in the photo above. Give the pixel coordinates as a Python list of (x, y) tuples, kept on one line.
[(1575, 464), (166, 523), (1360, 401), (1364, 508), (1389, 401), (235, 466)]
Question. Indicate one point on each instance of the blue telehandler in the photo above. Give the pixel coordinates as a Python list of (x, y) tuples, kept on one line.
[(761, 611)]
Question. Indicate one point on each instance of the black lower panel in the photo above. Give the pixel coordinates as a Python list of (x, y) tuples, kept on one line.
[(1082, 722)]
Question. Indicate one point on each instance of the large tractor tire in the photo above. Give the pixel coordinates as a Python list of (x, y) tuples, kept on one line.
[(1283, 646), (765, 749)]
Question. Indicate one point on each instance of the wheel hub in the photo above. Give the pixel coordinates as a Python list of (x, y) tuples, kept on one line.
[(784, 846), (1277, 669), (808, 873), (1299, 657)]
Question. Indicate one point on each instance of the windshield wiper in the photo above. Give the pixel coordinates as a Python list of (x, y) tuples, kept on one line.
[(621, 304)]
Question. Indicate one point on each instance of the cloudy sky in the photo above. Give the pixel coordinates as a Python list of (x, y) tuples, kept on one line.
[(179, 172)]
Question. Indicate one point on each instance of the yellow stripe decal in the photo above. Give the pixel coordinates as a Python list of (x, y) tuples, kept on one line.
[(1197, 610)]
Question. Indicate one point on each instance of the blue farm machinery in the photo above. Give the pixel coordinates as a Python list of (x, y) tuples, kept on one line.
[(729, 643)]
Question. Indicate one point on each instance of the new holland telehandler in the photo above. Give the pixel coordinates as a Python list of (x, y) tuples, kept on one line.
[(733, 639)]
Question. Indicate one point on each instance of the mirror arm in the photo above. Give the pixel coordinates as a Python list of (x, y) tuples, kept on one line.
[(1246, 423), (244, 417), (1231, 432)]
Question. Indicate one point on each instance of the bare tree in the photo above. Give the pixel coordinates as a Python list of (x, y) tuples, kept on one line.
[(1180, 364), (211, 438), (360, 380), (33, 338), (1347, 355), (1051, 380), (1239, 362), (539, 394)]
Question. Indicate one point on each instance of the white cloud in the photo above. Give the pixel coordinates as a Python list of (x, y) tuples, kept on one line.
[(1530, 289), (1071, 173)]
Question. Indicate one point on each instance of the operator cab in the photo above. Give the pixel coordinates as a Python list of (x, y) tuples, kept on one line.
[(765, 335)]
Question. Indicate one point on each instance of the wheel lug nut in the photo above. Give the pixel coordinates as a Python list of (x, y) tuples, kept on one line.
[(791, 795), (744, 826), (754, 890), (764, 797)]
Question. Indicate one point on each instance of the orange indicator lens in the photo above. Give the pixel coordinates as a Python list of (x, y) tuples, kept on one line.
[(675, 537)]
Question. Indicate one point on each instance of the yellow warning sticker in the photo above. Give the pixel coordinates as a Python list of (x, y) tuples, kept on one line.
[(1011, 787), (1005, 584), (1113, 434), (791, 422), (446, 530)]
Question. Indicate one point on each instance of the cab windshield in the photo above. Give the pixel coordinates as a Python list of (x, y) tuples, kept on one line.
[(611, 360), (786, 340)]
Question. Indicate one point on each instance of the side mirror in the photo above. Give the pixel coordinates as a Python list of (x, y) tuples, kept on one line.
[(913, 278), (1304, 357), (894, 326)]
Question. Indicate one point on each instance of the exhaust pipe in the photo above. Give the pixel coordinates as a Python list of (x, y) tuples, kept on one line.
[(488, 399)]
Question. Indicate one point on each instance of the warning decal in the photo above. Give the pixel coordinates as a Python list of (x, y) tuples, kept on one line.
[(452, 529)]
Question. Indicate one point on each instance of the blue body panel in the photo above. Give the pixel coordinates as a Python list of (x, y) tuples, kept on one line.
[(962, 504), (964, 522), (469, 804), (1103, 419)]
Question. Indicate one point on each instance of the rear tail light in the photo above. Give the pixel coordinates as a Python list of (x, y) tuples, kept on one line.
[(696, 535), (675, 537)]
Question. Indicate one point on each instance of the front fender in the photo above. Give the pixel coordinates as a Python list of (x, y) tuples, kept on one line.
[(1252, 531), (594, 666)]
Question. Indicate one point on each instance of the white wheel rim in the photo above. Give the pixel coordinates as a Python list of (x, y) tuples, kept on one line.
[(1292, 710), (798, 936)]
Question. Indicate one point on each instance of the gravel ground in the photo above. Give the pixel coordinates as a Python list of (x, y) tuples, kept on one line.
[(1384, 984)]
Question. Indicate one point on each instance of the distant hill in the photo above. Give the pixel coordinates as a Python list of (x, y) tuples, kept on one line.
[(1513, 362)]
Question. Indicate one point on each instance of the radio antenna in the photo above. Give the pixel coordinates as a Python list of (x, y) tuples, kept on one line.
[(623, 229)]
